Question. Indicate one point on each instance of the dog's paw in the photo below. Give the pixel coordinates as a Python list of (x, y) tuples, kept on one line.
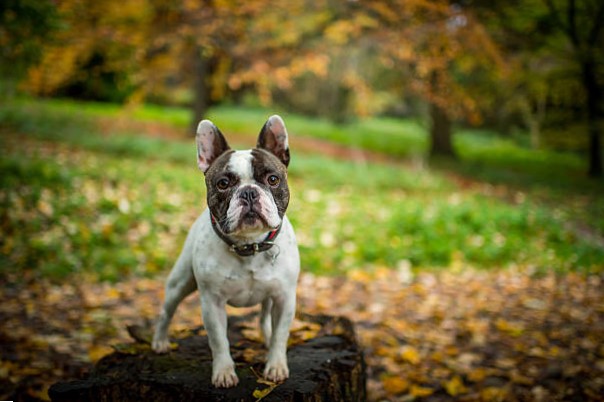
[(225, 377), (276, 371), (160, 345)]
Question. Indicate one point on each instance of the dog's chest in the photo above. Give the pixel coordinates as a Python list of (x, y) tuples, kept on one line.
[(243, 289), (243, 281)]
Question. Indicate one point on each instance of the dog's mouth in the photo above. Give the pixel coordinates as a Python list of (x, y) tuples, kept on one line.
[(250, 221), (252, 217)]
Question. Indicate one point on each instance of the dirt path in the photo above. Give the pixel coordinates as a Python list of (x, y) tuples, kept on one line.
[(300, 143)]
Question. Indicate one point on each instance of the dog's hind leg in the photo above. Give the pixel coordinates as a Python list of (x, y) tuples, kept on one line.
[(180, 284)]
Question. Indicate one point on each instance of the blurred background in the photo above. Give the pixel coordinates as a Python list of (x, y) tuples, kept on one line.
[(446, 178), (462, 131)]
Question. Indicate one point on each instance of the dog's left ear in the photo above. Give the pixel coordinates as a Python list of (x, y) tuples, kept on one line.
[(273, 138)]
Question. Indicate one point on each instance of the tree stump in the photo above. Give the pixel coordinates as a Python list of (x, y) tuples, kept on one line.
[(325, 362)]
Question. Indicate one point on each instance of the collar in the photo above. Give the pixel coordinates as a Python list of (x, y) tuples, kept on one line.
[(246, 250)]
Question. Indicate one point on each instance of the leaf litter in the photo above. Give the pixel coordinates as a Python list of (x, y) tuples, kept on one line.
[(470, 335)]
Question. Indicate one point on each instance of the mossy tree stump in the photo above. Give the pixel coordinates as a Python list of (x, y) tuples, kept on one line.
[(325, 361)]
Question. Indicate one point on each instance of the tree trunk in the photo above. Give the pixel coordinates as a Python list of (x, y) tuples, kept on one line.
[(594, 99), (440, 132), (202, 89), (328, 367)]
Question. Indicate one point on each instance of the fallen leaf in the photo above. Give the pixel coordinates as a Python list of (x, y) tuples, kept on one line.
[(260, 394), (395, 385), (478, 374), (512, 328), (251, 355), (418, 391), (252, 335), (455, 386), (493, 394), (96, 352), (410, 354)]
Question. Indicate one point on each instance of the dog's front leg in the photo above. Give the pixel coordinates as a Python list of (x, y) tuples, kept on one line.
[(282, 314), (215, 322)]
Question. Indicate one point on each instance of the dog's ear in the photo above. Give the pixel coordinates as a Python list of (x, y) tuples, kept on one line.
[(210, 144), (273, 138)]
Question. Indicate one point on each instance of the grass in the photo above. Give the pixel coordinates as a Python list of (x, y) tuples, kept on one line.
[(75, 199)]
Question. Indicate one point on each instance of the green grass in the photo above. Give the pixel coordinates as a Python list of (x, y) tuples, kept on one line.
[(75, 198), (390, 136)]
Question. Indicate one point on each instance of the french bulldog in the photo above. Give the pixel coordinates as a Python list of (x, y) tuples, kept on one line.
[(241, 251)]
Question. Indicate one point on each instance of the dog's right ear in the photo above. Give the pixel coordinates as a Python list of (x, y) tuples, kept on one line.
[(210, 144)]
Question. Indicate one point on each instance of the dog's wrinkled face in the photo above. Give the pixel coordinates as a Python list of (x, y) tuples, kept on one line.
[(247, 191)]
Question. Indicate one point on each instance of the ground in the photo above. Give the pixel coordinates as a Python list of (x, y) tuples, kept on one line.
[(471, 335)]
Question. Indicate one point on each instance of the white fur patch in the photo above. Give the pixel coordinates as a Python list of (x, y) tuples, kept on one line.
[(241, 165)]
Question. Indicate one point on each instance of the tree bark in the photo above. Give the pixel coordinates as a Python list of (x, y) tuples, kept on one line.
[(440, 132), (328, 367), (594, 100), (203, 67)]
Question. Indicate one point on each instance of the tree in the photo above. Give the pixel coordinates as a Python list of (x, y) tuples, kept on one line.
[(580, 22), (554, 50), (25, 26), (440, 53), (99, 46)]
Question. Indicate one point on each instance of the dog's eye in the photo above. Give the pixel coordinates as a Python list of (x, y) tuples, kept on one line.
[(273, 180), (223, 184)]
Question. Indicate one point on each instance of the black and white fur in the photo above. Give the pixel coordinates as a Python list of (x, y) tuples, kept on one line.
[(247, 194)]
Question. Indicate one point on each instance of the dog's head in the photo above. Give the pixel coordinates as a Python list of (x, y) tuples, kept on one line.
[(247, 191)]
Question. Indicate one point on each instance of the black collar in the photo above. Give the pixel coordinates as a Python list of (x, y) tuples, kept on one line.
[(246, 250)]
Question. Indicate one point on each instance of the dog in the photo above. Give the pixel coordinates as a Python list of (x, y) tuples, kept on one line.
[(242, 250)]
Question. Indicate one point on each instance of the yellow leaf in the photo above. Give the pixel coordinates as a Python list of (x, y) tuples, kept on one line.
[(493, 394), (260, 394), (418, 391), (455, 386), (252, 335), (395, 385), (477, 374), (359, 275), (252, 355), (112, 293), (513, 329), (410, 354), (95, 353), (384, 351)]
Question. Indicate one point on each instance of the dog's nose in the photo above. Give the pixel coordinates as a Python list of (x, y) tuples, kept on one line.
[(249, 194)]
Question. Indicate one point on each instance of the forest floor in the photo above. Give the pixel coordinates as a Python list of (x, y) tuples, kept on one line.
[(469, 335)]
